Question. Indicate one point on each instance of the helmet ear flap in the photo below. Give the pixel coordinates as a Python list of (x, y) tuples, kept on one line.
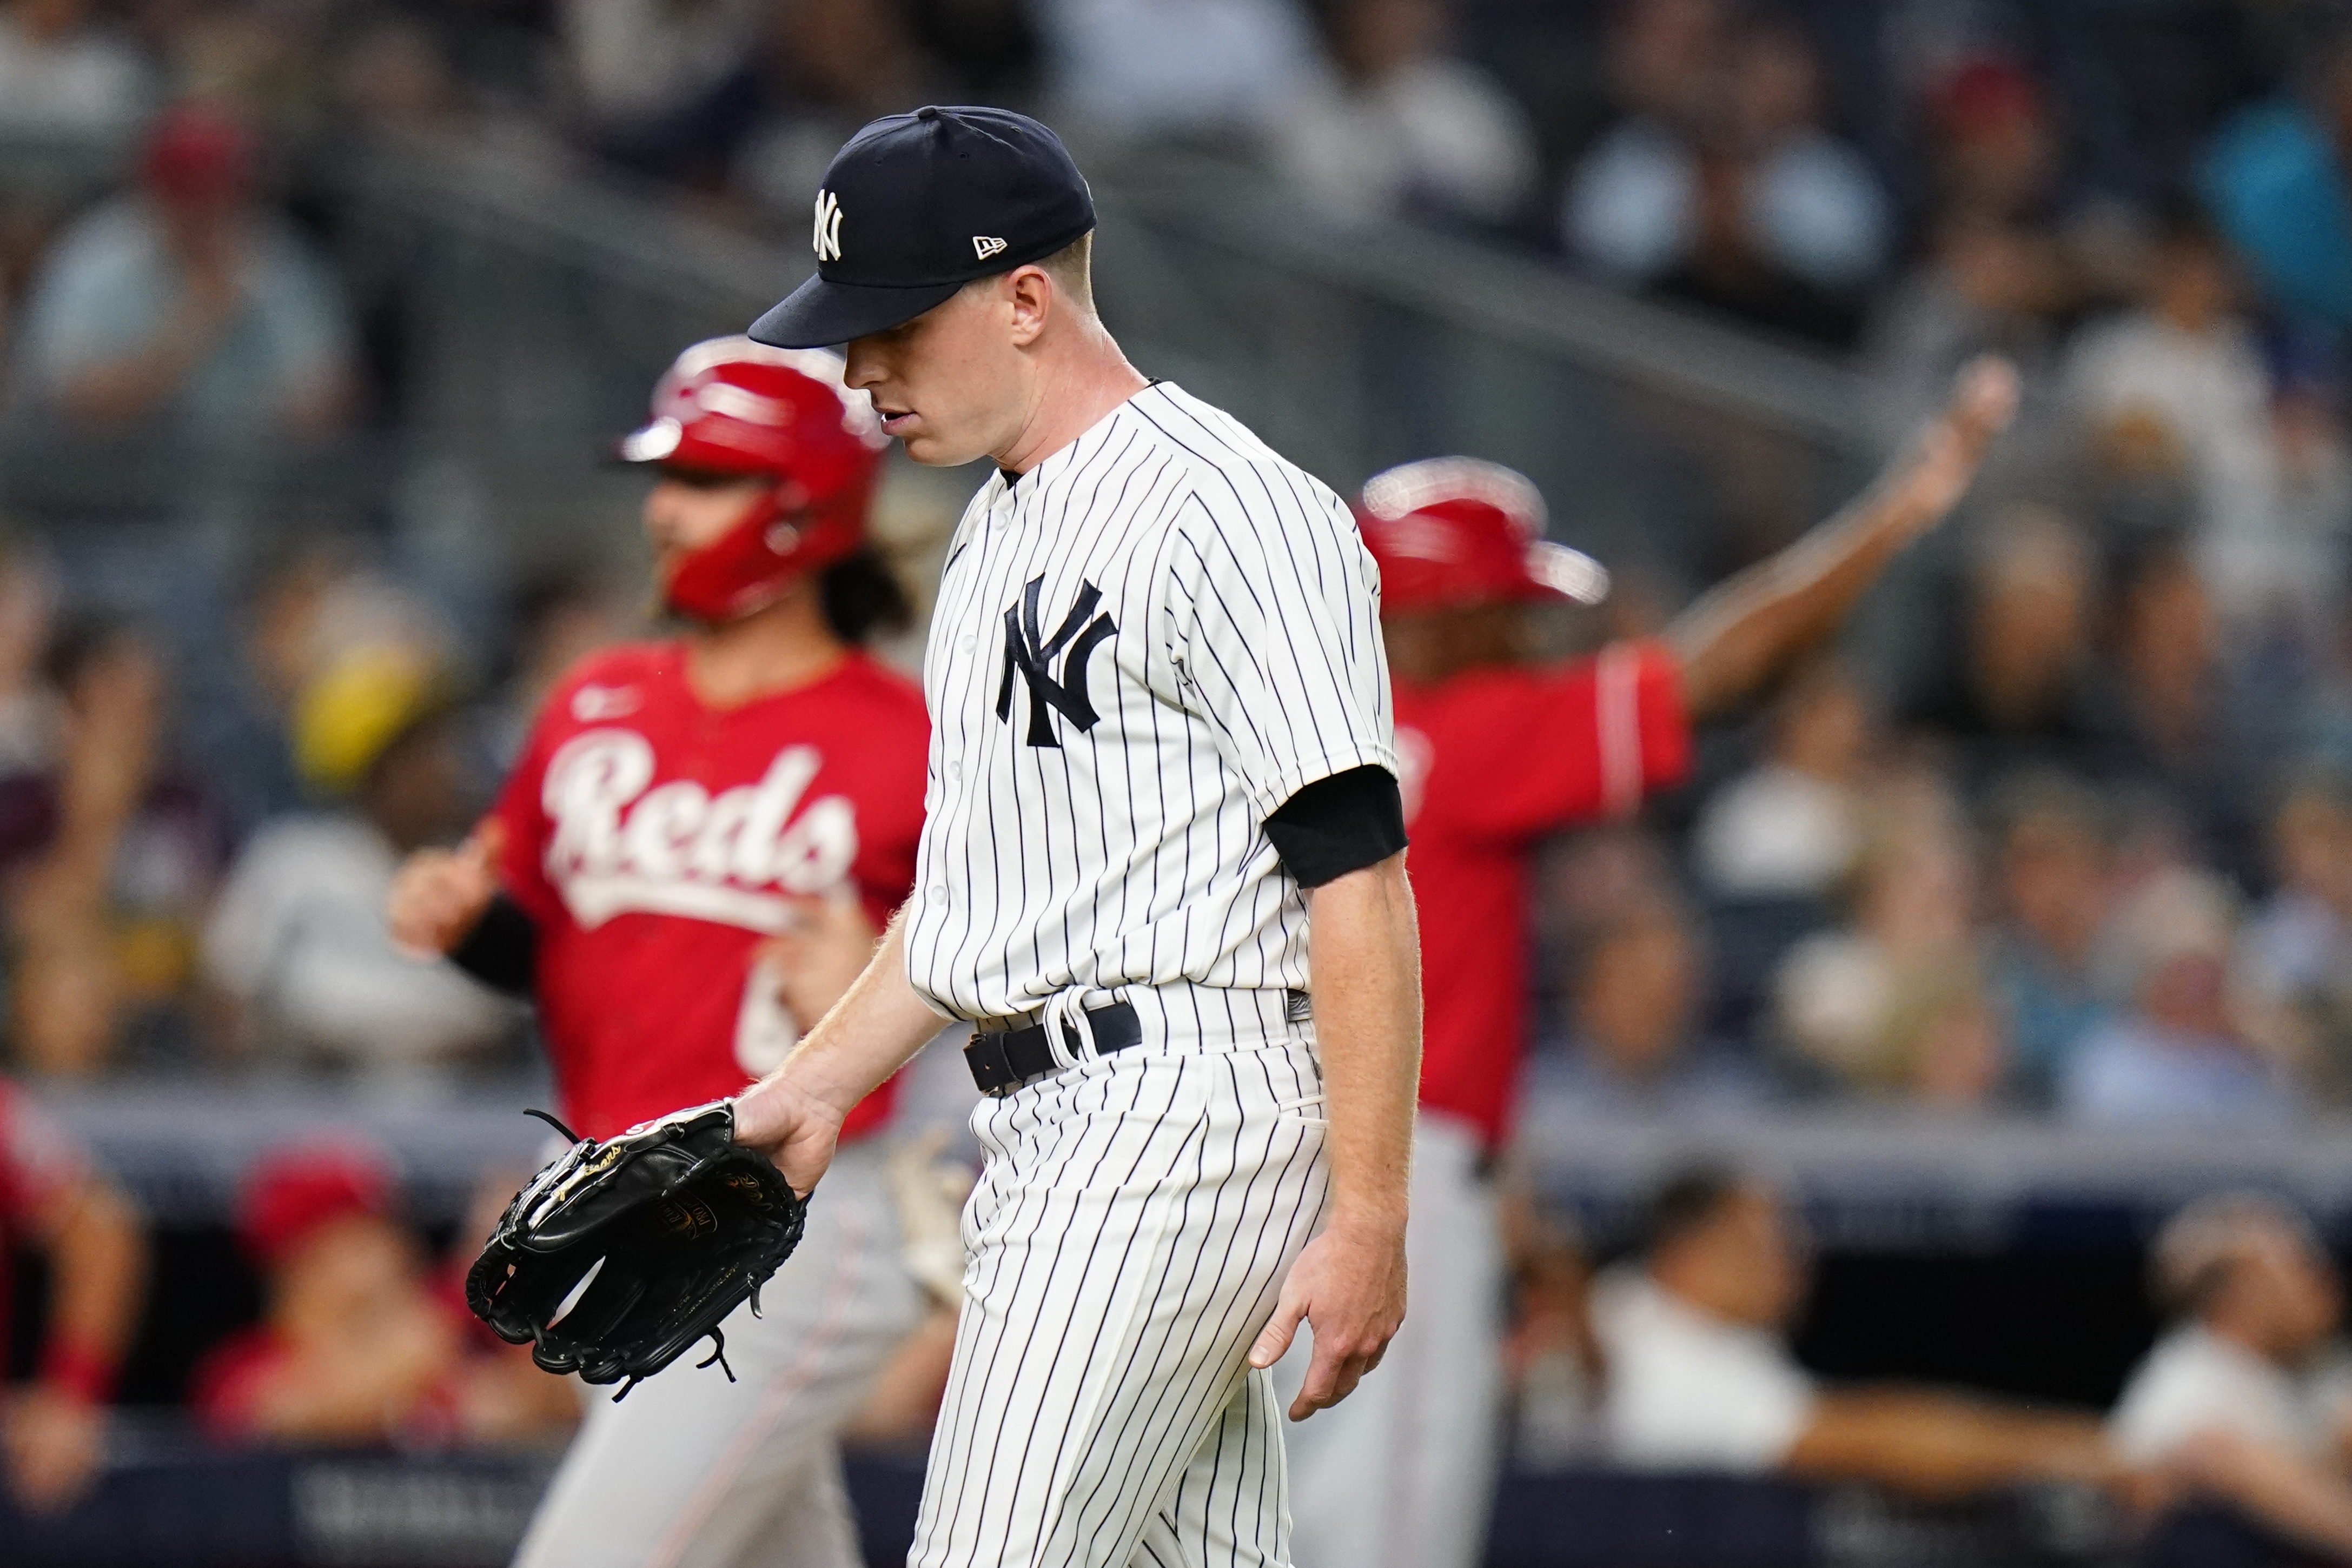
[(788, 517)]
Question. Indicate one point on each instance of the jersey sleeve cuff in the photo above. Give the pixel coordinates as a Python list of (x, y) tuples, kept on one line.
[(1274, 796), (1644, 731)]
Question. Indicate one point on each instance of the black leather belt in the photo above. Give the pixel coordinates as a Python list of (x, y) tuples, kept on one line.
[(1002, 1061)]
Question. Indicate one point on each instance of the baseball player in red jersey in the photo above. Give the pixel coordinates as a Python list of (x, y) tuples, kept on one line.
[(1499, 752), (696, 848)]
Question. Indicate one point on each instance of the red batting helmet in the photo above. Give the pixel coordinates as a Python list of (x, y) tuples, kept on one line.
[(734, 406), (1453, 531)]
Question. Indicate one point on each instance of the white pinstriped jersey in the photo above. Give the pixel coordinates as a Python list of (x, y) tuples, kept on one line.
[(1140, 650)]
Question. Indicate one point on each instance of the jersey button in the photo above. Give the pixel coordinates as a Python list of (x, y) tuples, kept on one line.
[(955, 769), (968, 645), (939, 893)]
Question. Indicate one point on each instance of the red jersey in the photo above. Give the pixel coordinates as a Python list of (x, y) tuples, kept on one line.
[(654, 841), (1494, 761)]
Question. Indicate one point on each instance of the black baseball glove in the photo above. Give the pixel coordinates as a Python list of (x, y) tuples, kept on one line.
[(621, 1254)]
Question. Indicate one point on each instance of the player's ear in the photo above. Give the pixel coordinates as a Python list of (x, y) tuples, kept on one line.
[(1030, 292)]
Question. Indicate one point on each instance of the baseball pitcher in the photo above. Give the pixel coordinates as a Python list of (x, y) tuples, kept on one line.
[(1161, 874)]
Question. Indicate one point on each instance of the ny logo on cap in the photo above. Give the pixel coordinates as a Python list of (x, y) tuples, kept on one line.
[(1030, 652), (828, 227), (985, 246)]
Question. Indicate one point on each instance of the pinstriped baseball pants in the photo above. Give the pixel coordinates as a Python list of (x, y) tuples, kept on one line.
[(1129, 1239)]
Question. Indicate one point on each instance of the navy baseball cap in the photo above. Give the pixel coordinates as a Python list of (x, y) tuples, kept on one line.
[(916, 205)]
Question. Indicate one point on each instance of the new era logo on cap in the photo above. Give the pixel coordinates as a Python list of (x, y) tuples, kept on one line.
[(943, 196)]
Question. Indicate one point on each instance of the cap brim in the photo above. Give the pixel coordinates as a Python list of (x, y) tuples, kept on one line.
[(819, 314)]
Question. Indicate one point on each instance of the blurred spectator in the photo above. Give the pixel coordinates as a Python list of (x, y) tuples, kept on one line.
[(1749, 205), (2014, 690), (1700, 1377), (305, 607), (1791, 826), (188, 302), (1894, 1004), (2297, 950), (2180, 1052), (1550, 1361), (357, 1343), (2177, 387), (1995, 150), (665, 86), (2171, 717), (2053, 879), (1638, 988), (1389, 124), (52, 1202), (1663, 58), (833, 65), (1998, 275), (1225, 68), (61, 75), (105, 918), (2277, 179), (2226, 1402), (392, 73), (298, 936)]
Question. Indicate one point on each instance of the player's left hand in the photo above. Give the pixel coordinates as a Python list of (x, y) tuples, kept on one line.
[(817, 957), (54, 1443), (1930, 479), (1349, 1286)]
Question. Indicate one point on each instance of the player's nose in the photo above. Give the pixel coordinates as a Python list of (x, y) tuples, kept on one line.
[(861, 365)]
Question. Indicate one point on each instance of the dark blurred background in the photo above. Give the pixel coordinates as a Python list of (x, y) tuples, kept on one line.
[(315, 314)]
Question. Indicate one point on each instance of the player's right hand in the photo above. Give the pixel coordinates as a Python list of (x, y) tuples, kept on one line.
[(791, 1126), (438, 896)]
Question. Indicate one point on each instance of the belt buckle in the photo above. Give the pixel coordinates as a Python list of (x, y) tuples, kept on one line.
[(991, 1068)]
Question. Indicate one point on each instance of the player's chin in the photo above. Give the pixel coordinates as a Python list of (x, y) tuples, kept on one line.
[(932, 450)]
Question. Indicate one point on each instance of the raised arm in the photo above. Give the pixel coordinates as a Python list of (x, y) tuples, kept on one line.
[(1739, 634), (1364, 951), (795, 1113)]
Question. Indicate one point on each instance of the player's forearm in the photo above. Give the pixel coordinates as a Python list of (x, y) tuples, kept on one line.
[(97, 1265), (1931, 1444), (875, 1030), (1364, 955), (1737, 636)]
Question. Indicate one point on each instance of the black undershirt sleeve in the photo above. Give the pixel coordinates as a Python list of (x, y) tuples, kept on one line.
[(502, 949), (1339, 824)]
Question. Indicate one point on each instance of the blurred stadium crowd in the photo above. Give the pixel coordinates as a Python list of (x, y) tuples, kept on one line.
[(2064, 832)]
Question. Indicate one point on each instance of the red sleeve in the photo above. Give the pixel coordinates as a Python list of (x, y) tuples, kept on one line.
[(520, 815), (1553, 749)]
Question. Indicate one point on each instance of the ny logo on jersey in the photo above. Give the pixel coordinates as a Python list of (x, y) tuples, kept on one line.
[(828, 227), (1027, 651)]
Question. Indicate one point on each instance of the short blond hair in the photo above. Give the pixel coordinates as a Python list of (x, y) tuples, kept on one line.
[(1071, 269)]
